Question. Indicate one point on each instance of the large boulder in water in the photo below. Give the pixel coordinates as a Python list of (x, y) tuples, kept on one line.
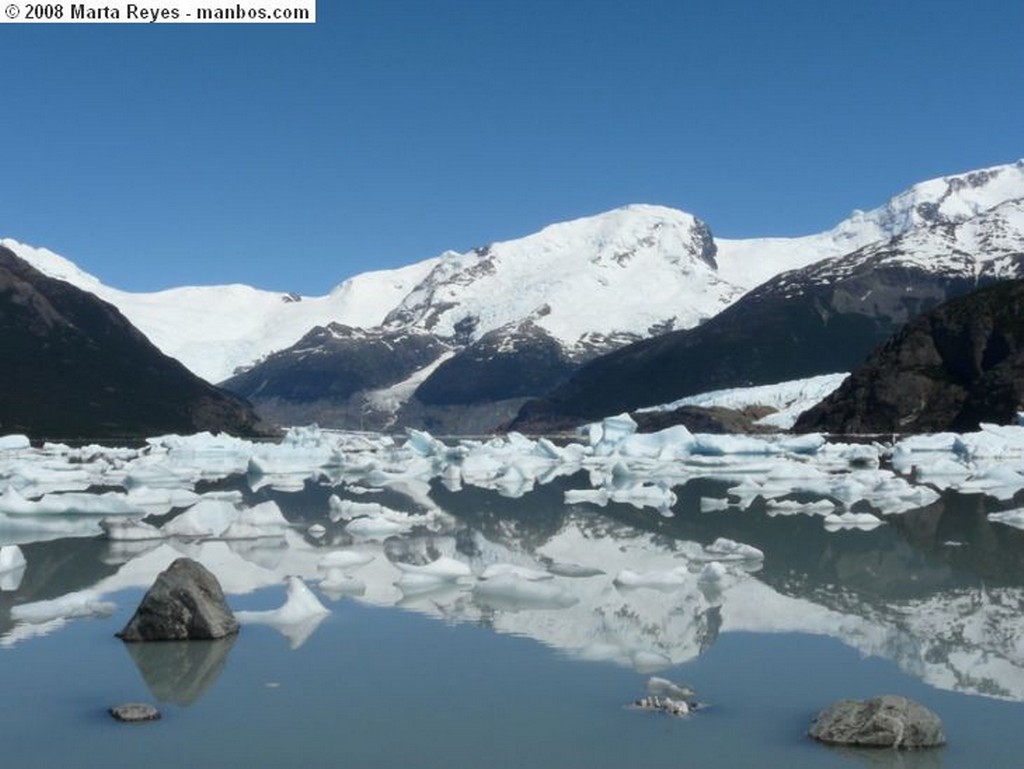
[(185, 603), (889, 721)]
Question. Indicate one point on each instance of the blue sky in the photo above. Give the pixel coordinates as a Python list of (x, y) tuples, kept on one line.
[(291, 157)]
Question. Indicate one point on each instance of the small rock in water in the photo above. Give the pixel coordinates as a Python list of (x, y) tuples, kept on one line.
[(889, 721), (135, 712), (665, 705)]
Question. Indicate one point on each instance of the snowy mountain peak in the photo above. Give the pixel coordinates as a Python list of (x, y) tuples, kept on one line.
[(946, 200), (578, 277)]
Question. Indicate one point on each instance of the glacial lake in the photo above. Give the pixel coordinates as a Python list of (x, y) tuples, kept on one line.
[(927, 605)]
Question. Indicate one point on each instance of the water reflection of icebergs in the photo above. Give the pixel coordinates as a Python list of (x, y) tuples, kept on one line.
[(575, 578)]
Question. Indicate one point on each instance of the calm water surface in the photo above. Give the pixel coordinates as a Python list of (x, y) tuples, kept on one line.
[(927, 606)]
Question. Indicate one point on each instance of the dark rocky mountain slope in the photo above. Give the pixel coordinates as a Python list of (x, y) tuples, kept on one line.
[(330, 375), (958, 365), (74, 367)]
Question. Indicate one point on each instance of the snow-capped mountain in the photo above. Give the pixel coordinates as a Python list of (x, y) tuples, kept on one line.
[(624, 272), (576, 290), (823, 318)]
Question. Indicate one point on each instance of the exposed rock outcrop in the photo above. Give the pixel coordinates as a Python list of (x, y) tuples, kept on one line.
[(958, 365), (185, 603), (889, 721)]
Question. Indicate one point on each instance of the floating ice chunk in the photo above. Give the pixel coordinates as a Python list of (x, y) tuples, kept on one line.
[(991, 441), (424, 444), (587, 497), (522, 572), (480, 467), (11, 558), (660, 580), (70, 503), (207, 518), (344, 559), (662, 687), (300, 615), (944, 442), (12, 567), (573, 570), (14, 442), (864, 521), (713, 504), (644, 495), (161, 500), (336, 583), (156, 473), (444, 568), (723, 549), (713, 573), (262, 520), (317, 531), (610, 433), (512, 593), (672, 442), (129, 529), (810, 443), (374, 527), (792, 507), (995, 480), (722, 445), (86, 603), (413, 583), (1013, 518), (940, 471), (25, 529)]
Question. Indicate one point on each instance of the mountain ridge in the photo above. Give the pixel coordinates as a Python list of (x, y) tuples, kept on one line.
[(592, 285)]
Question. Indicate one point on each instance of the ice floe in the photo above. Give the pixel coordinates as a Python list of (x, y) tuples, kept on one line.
[(296, 619)]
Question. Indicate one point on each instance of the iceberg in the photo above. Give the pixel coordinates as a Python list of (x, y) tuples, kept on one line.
[(296, 619)]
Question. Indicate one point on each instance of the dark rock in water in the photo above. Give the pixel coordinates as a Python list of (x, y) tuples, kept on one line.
[(135, 712), (950, 369), (889, 721), (185, 603)]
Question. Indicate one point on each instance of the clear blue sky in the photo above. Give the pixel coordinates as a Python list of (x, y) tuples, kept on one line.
[(291, 157)]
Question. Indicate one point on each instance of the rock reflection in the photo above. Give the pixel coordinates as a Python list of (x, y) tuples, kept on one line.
[(180, 672), (883, 758)]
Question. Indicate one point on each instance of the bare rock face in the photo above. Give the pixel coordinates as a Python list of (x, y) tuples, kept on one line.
[(950, 369), (185, 603), (889, 721)]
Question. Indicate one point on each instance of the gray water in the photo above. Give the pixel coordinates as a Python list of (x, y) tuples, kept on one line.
[(447, 682)]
